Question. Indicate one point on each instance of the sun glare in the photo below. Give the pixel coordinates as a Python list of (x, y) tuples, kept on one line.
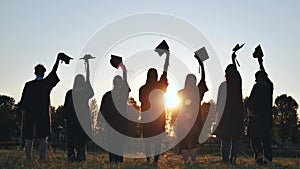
[(171, 99)]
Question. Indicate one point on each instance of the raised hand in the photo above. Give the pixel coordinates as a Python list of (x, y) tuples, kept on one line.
[(63, 57)]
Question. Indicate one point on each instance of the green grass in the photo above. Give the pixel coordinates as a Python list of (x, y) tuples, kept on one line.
[(57, 159)]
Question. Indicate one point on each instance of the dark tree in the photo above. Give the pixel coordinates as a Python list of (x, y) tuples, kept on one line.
[(9, 122), (285, 118), (57, 117), (57, 125), (276, 126)]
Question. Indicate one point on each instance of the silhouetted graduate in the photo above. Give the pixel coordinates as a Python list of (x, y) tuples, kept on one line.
[(35, 105), (189, 122), (76, 107), (156, 126), (230, 110), (260, 117), (113, 108)]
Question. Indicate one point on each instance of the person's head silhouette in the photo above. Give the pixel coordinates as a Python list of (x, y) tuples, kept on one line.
[(230, 71), (78, 81), (190, 81), (152, 76), (117, 82), (261, 76), (39, 70)]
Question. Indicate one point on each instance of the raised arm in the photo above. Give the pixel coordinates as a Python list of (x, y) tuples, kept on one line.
[(90, 91), (126, 87), (202, 87), (123, 67), (87, 70), (233, 57), (166, 65), (261, 66), (202, 69), (54, 69)]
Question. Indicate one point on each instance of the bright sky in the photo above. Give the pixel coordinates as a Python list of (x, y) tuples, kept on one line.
[(34, 32)]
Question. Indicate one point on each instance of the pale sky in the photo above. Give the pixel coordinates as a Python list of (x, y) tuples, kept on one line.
[(34, 32)]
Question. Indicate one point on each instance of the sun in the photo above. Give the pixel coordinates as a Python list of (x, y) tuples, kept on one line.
[(171, 99)]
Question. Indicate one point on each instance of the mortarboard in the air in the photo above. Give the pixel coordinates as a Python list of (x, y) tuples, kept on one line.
[(238, 47), (87, 57), (258, 53), (115, 61), (162, 48), (65, 58), (202, 54)]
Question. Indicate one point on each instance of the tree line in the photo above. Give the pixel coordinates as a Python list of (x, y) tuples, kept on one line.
[(284, 113)]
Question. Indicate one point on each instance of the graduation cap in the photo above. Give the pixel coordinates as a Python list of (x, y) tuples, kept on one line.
[(87, 57), (115, 61), (162, 48), (237, 47), (201, 54), (258, 53), (65, 58)]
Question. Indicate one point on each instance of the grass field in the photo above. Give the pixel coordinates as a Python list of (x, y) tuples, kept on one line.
[(57, 159)]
